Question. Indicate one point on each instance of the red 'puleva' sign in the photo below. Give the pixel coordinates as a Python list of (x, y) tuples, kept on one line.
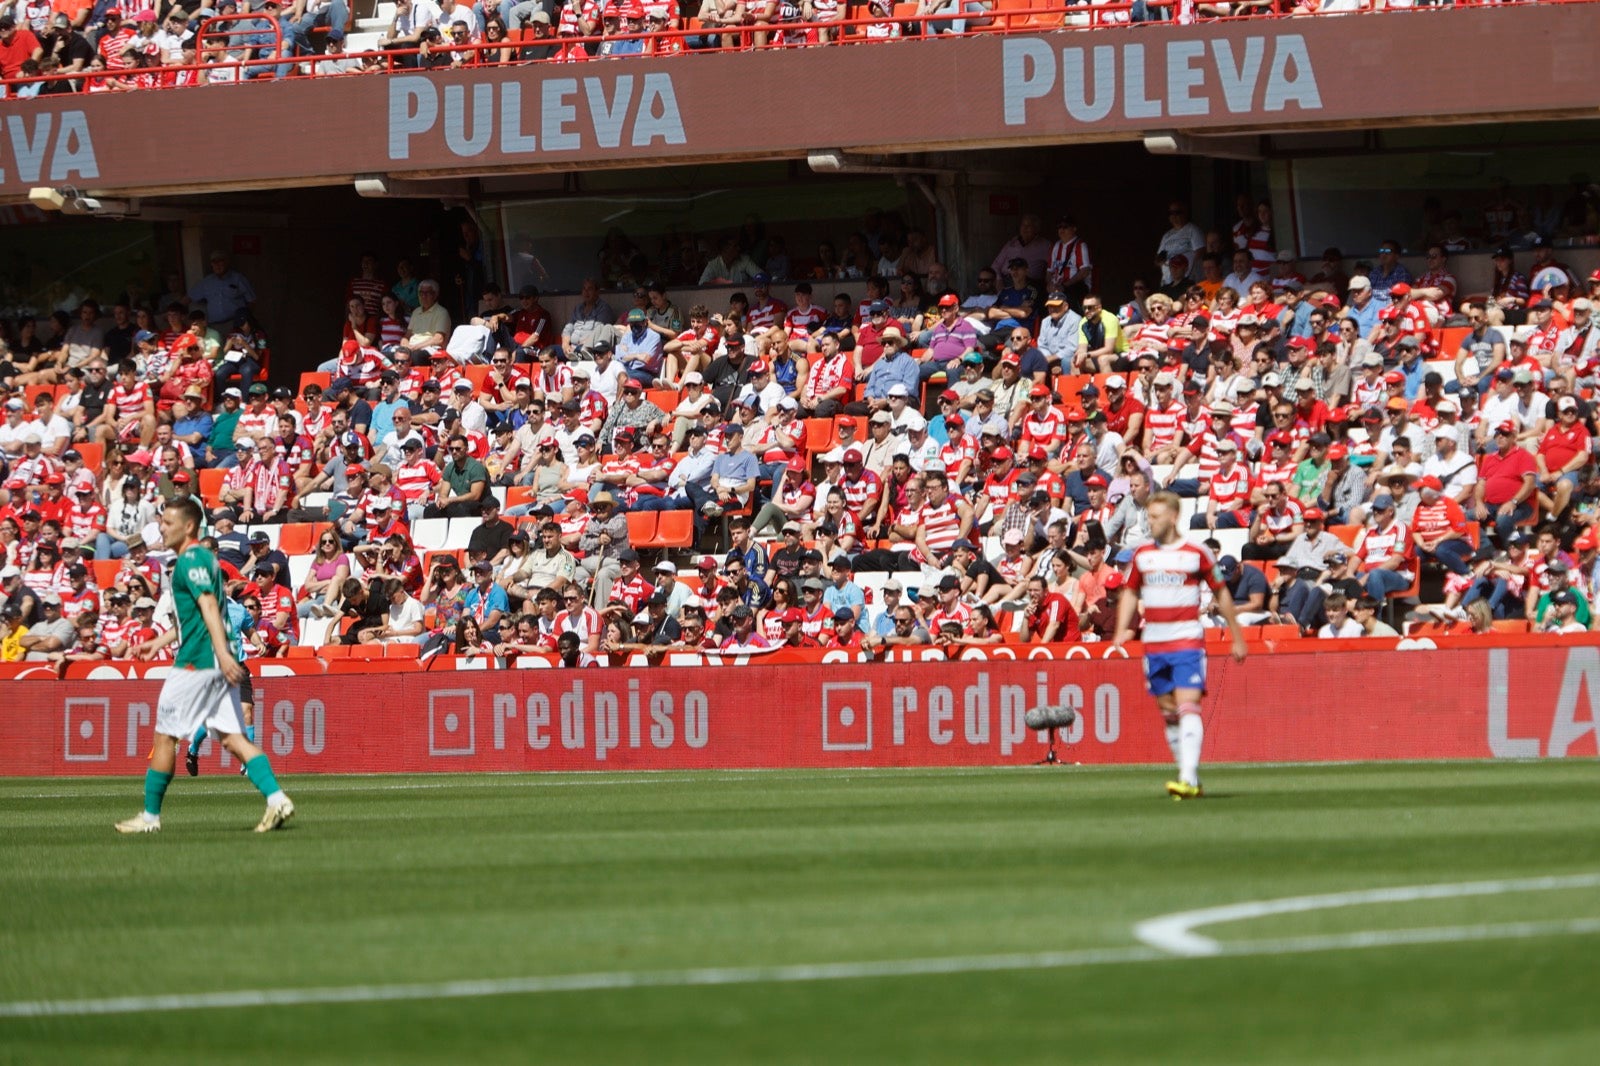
[(1501, 702), (1103, 84)]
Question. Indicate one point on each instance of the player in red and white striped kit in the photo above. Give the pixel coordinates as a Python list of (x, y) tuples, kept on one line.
[(1165, 577)]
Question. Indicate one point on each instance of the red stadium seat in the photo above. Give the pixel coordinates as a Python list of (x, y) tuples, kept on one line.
[(674, 529), (642, 528), (297, 538), (93, 454), (211, 486)]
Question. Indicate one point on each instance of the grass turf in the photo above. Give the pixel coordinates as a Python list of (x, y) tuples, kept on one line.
[(392, 880)]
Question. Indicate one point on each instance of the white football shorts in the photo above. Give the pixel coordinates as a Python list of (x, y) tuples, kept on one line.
[(192, 698)]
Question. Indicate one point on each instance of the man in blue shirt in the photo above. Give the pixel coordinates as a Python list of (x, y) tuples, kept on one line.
[(639, 349), (1387, 272), (844, 592), (894, 367), (733, 479), (226, 293), (486, 601)]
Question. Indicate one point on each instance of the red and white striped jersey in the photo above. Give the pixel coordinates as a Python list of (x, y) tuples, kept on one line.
[(1167, 579), (552, 384), (804, 318), (1045, 430), (1231, 487), (1262, 254), (414, 480), (129, 401), (1275, 521), (857, 491), (1366, 393), (1243, 422), (1442, 516), (1067, 258), (766, 315), (1223, 323), (1376, 545), (1275, 473), (941, 523), (1164, 423)]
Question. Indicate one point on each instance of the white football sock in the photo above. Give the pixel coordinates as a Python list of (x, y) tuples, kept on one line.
[(1172, 742), (1191, 731)]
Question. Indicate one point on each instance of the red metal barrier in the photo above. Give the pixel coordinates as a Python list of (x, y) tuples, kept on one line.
[(1466, 703)]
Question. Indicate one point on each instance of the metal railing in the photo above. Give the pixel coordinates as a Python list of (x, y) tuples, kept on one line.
[(220, 36)]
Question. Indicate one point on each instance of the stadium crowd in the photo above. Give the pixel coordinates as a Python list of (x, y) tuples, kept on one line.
[(67, 46), (934, 463)]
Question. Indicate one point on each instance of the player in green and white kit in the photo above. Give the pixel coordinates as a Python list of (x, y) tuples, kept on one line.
[(203, 688)]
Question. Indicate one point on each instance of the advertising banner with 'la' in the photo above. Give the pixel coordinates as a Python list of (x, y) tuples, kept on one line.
[(1511, 703)]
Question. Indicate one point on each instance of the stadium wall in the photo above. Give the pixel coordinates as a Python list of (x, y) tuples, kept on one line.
[(1351, 705)]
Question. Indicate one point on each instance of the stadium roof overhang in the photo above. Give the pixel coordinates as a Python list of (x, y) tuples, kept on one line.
[(1208, 89)]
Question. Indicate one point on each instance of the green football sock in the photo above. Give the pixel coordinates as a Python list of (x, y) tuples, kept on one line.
[(259, 771), (198, 738), (155, 790)]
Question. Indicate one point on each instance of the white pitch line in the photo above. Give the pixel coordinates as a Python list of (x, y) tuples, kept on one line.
[(538, 779), (1174, 933), (754, 975)]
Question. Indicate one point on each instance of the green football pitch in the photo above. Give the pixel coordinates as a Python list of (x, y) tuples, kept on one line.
[(964, 916)]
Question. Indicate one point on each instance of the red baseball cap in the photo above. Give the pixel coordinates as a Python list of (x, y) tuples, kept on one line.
[(949, 299), (180, 478), (853, 455), (1399, 288), (950, 394), (1094, 481), (1011, 359), (1594, 276), (1279, 437), (1001, 453), (1115, 580), (1039, 391), (1506, 427), (1038, 453), (1388, 314), (1305, 344), (1431, 482), (1338, 451), (1331, 302), (1394, 377), (349, 348), (793, 614), (759, 367), (1313, 514), (1076, 415), (847, 420)]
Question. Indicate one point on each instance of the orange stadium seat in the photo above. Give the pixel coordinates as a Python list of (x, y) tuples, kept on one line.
[(297, 538), (93, 454), (674, 529), (642, 528), (211, 486)]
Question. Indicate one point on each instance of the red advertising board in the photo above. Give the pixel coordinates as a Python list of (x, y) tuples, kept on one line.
[(1109, 83), (1446, 703)]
